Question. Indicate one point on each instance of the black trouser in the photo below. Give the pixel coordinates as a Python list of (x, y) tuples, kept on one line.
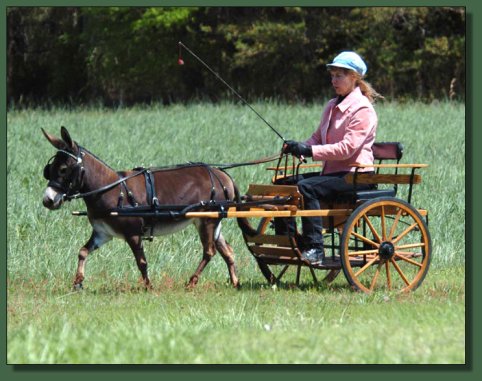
[(314, 187)]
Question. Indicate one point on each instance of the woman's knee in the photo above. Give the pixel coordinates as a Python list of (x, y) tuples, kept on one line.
[(307, 189)]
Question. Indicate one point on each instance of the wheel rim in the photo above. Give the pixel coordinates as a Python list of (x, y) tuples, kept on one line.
[(385, 245)]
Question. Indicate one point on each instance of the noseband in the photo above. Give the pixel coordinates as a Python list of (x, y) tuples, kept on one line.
[(76, 178)]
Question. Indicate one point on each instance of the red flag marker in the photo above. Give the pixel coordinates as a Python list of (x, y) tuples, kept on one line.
[(180, 61)]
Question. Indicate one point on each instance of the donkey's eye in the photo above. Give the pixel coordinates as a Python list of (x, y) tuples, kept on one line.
[(63, 170)]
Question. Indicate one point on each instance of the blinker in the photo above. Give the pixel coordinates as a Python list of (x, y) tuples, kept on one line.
[(47, 172)]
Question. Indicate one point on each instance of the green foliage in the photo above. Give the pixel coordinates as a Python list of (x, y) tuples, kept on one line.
[(124, 55), (165, 18)]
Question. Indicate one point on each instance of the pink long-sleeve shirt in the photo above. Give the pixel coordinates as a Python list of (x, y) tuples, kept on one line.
[(346, 134)]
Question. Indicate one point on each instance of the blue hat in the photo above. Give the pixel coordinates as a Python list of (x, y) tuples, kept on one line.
[(351, 61)]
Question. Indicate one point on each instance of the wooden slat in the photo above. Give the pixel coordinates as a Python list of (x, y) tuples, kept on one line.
[(273, 207), (365, 178), (390, 165), (273, 190), (273, 251), (291, 168), (391, 210), (257, 192), (277, 260), (280, 240)]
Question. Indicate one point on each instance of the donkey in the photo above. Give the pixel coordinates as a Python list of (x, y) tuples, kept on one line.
[(74, 172)]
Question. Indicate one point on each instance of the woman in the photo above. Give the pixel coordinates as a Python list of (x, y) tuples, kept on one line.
[(344, 137)]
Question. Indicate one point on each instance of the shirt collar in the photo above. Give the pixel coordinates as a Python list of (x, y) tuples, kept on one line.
[(351, 98)]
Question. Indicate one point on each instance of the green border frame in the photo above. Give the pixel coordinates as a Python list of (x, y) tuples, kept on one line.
[(283, 372)]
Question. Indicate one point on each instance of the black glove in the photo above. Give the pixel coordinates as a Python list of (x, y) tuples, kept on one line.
[(297, 149)]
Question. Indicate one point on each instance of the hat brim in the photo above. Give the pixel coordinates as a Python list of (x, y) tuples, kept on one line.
[(342, 66)]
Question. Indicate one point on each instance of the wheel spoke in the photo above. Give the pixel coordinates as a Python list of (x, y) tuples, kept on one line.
[(408, 260), (370, 225), (362, 252), (368, 264), (410, 245), (375, 277), (399, 270), (384, 228), (395, 224), (364, 239), (409, 254), (389, 277), (405, 232)]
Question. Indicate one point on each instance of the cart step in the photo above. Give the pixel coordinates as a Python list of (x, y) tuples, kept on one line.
[(279, 240), (329, 263), (274, 251)]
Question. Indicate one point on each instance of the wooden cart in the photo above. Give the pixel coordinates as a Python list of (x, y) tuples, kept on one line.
[(377, 239)]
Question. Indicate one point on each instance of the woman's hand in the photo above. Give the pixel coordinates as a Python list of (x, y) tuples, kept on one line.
[(297, 149)]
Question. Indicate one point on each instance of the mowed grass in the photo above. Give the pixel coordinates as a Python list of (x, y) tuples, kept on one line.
[(113, 320)]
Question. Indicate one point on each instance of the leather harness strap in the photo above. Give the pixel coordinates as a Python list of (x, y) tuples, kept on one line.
[(151, 197)]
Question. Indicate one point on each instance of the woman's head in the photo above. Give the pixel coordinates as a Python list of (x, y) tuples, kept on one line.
[(347, 71)]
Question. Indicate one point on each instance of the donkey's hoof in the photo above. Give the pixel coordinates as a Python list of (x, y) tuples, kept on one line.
[(192, 282), (78, 287)]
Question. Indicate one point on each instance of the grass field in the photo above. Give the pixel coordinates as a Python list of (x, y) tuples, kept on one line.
[(113, 320)]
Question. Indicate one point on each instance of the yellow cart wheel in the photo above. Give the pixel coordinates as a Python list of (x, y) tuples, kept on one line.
[(385, 245)]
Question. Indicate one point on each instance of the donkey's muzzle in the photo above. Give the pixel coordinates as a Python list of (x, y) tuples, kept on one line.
[(52, 200)]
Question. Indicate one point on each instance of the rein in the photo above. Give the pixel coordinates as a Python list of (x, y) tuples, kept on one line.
[(104, 188), (246, 163), (139, 171)]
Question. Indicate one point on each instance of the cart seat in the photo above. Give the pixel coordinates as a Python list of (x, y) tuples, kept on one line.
[(374, 193), (382, 151), (386, 179)]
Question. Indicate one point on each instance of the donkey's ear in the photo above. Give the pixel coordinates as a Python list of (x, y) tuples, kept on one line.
[(56, 142), (67, 139)]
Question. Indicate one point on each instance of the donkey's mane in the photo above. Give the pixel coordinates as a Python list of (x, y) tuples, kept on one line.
[(95, 157)]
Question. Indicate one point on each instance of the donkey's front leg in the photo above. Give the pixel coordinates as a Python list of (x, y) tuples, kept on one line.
[(95, 241), (135, 243)]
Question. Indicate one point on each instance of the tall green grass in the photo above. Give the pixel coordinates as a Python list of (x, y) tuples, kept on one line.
[(42, 249)]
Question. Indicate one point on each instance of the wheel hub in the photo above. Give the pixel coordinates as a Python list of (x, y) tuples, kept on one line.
[(386, 250)]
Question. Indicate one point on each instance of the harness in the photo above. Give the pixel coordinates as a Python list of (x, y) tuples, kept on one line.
[(150, 208), (71, 190)]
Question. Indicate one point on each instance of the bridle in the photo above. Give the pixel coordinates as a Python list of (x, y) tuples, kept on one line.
[(76, 177)]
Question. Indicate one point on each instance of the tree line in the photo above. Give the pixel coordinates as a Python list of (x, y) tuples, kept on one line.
[(127, 55)]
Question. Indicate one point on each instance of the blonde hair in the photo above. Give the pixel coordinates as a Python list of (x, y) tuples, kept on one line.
[(366, 89)]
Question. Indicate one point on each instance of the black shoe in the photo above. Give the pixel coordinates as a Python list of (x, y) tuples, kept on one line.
[(315, 255)]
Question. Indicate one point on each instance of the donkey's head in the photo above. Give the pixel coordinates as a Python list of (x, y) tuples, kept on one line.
[(64, 171)]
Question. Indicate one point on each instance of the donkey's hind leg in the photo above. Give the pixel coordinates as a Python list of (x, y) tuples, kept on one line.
[(137, 247), (227, 253), (206, 229)]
